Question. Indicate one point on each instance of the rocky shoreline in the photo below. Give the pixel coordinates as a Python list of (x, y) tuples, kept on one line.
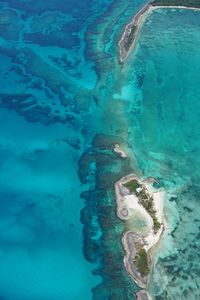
[(129, 37), (132, 194), (129, 241)]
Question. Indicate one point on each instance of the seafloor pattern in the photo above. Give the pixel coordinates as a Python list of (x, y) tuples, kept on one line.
[(57, 166), (65, 101)]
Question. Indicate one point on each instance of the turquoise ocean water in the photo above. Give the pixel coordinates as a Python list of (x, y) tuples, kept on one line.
[(166, 136), (52, 144), (65, 101)]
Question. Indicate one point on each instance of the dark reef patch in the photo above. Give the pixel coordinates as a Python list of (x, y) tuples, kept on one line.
[(27, 106), (102, 229)]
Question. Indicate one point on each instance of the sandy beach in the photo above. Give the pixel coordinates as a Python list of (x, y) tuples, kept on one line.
[(129, 202), (117, 149), (171, 6)]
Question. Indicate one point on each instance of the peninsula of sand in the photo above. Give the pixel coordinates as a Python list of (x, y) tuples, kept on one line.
[(132, 30), (140, 205)]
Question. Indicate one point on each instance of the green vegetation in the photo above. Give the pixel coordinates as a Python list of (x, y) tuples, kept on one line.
[(156, 224), (145, 200), (130, 38), (141, 262), (132, 185), (188, 3), (143, 195), (147, 203)]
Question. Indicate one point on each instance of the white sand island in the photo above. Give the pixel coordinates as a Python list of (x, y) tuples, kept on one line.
[(137, 199)]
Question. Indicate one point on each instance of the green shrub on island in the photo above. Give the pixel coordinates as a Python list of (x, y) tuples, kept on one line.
[(145, 200), (143, 195), (156, 224), (132, 185), (148, 205), (141, 262), (130, 38)]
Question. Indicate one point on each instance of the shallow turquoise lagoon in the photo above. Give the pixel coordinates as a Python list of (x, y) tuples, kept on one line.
[(162, 87)]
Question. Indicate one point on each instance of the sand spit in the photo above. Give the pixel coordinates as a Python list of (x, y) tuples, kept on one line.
[(137, 23), (142, 295), (132, 30), (117, 149)]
